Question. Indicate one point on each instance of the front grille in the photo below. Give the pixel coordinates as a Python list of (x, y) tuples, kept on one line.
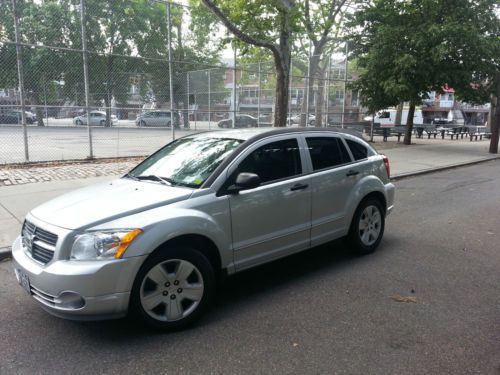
[(39, 243)]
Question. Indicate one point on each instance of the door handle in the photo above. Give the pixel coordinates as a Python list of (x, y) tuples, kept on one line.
[(352, 173), (299, 187)]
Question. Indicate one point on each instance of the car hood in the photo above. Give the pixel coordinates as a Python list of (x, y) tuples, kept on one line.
[(100, 203)]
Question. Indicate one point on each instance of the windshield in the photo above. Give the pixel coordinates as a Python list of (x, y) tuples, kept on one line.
[(187, 161)]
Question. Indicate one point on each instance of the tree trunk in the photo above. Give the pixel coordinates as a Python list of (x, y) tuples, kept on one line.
[(495, 120), (109, 88), (409, 124), (282, 92), (399, 114), (320, 98), (313, 68)]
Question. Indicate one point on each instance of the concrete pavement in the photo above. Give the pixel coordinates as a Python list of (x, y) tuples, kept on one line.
[(32, 186)]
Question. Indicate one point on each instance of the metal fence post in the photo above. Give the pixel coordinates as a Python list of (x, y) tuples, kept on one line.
[(20, 76), (258, 96), (170, 79), (209, 102), (187, 95), (234, 89), (86, 75), (308, 91), (345, 82), (290, 79), (327, 90)]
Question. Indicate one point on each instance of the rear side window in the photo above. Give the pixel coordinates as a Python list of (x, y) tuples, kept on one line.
[(274, 161), (358, 150), (327, 152)]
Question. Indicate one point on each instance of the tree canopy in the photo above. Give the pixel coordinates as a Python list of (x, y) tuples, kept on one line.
[(409, 48)]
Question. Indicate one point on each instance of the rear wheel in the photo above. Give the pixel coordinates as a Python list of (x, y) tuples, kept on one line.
[(173, 288), (367, 227)]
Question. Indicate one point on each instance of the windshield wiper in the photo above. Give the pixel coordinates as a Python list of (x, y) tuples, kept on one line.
[(151, 177), (160, 179)]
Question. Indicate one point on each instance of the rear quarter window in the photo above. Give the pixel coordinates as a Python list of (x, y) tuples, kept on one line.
[(359, 152)]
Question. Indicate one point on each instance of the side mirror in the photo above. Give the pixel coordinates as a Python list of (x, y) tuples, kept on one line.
[(244, 181)]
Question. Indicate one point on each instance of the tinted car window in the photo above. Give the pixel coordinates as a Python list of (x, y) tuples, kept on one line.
[(274, 161), (358, 150), (327, 152)]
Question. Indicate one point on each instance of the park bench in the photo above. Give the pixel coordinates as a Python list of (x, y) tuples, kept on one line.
[(476, 132), (460, 131), (428, 129)]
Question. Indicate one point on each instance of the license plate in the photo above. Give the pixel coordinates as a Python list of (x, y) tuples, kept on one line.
[(24, 281)]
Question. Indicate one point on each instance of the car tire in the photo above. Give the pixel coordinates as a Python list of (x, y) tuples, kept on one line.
[(367, 226), (142, 123), (312, 123), (172, 289), (79, 122), (169, 124)]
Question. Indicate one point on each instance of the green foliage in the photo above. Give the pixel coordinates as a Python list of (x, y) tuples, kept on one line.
[(408, 48)]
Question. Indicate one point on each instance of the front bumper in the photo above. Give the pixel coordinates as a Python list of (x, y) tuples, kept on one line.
[(79, 290)]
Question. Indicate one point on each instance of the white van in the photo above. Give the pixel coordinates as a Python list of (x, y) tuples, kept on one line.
[(387, 117)]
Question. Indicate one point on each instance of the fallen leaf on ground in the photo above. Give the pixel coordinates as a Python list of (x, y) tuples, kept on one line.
[(404, 299), (295, 344)]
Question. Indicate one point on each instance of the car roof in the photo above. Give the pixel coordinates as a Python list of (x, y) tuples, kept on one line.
[(254, 134)]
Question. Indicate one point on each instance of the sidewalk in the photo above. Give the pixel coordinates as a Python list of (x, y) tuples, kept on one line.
[(21, 189)]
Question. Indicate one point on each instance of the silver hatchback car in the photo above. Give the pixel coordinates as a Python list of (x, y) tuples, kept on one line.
[(154, 242)]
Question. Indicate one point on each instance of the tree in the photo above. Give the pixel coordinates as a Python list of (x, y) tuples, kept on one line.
[(47, 23), (323, 26), (409, 48), (266, 24)]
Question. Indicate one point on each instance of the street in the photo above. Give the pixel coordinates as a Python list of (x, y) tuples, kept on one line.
[(425, 303)]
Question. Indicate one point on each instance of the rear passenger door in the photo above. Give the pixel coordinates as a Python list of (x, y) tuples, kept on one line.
[(333, 178)]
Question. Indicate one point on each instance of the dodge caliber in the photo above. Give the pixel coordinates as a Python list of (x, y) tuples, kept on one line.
[(153, 243)]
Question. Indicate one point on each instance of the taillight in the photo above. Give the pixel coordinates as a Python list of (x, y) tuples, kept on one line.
[(387, 167)]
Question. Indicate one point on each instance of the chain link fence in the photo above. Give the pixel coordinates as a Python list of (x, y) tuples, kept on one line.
[(94, 79)]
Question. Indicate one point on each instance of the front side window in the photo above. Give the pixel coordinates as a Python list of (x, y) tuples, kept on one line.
[(187, 161), (327, 152), (273, 161)]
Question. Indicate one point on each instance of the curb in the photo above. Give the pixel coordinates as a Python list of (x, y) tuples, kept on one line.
[(6, 252), (440, 169)]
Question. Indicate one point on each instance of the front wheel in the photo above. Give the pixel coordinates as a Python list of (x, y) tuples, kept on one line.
[(367, 227), (79, 122), (173, 288)]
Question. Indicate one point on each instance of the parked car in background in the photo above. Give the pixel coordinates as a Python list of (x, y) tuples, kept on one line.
[(96, 118), (242, 121), (157, 118), (8, 118), (30, 117), (295, 120), (154, 242)]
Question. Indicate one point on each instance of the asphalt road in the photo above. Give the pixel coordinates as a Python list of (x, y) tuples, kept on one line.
[(320, 312)]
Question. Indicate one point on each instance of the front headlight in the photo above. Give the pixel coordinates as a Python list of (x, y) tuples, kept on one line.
[(103, 245)]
